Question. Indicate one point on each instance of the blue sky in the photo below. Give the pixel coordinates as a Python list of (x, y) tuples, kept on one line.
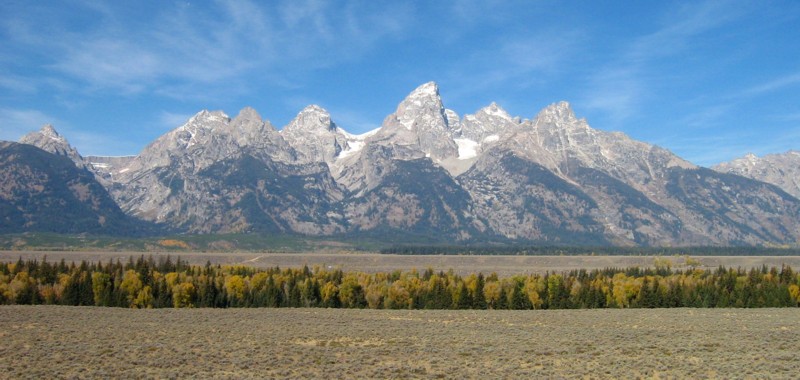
[(710, 81)]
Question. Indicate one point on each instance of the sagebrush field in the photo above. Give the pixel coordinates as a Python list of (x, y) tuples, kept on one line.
[(90, 342)]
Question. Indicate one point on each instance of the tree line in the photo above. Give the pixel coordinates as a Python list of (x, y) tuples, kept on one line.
[(164, 283), (551, 250)]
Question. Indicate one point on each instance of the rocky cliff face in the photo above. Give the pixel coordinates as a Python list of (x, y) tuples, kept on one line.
[(49, 140), (44, 192), (217, 174), (782, 170), (315, 137), (429, 175)]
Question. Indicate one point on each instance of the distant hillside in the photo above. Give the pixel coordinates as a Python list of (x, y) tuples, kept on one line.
[(44, 192)]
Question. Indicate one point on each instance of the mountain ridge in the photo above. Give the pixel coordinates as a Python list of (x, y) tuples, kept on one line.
[(483, 177)]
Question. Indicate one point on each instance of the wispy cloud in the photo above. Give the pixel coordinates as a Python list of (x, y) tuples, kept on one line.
[(773, 85), (181, 46), (711, 149), (616, 91), (519, 62), (170, 120), (706, 117), (624, 85), (680, 26), (18, 122)]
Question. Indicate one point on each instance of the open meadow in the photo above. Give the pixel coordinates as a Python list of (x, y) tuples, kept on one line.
[(91, 342)]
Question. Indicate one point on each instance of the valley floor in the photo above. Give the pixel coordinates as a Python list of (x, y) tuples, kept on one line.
[(504, 266), (89, 342)]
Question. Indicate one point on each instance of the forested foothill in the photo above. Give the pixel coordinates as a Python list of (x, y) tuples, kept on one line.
[(164, 283)]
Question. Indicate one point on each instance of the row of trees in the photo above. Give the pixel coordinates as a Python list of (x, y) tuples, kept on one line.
[(146, 283), (545, 250)]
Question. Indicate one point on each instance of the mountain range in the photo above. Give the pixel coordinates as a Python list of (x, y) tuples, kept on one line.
[(428, 174)]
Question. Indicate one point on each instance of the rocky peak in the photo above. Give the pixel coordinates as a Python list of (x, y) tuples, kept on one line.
[(49, 131), (420, 122), (209, 116), (496, 111), (49, 140), (314, 136), (312, 119), (422, 108), (246, 115), (488, 123), (453, 121), (782, 170), (560, 112), (249, 129)]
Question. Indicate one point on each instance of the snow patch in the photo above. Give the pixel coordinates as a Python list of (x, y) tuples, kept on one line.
[(491, 138), (467, 148), (360, 137), (355, 143), (353, 147)]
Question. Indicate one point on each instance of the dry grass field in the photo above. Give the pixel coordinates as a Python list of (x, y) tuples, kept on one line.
[(87, 342), (373, 262)]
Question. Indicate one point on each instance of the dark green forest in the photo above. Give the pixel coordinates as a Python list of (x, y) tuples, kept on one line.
[(147, 283)]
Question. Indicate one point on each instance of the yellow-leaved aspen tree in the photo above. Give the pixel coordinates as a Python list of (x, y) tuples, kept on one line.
[(131, 285)]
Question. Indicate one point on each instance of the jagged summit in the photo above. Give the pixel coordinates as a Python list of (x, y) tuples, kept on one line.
[(429, 89), (312, 118), (49, 140), (248, 113), (782, 170), (421, 108), (488, 123), (211, 116), (49, 131), (557, 112), (420, 124), (431, 173), (314, 136), (494, 109)]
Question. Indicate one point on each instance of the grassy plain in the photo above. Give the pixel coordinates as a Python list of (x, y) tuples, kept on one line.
[(373, 262), (88, 342)]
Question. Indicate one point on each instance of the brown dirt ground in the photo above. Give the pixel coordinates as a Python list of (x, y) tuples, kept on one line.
[(88, 342), (372, 262)]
